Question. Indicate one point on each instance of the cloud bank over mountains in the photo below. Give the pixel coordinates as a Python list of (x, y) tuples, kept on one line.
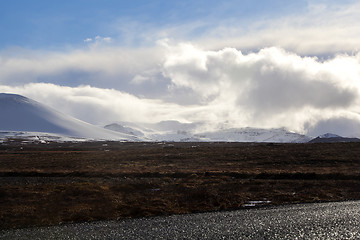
[(301, 72), (268, 88)]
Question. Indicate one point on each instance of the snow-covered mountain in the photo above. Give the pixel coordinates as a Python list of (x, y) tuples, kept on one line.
[(25, 118), (184, 132), (22, 116), (162, 131)]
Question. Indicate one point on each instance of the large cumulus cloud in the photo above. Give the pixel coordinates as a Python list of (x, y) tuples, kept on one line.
[(268, 88)]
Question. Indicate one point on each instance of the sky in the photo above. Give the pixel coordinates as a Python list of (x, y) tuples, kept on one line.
[(237, 63)]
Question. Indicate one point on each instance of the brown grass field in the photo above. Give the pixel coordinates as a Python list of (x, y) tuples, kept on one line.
[(46, 184)]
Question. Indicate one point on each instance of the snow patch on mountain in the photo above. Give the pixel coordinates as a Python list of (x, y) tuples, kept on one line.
[(254, 135), (127, 130), (38, 137), (329, 135)]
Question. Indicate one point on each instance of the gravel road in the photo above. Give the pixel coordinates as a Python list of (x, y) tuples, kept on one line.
[(339, 220)]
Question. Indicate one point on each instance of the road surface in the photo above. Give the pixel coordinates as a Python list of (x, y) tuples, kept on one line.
[(304, 221)]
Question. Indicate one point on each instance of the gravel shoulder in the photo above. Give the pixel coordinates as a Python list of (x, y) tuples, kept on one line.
[(338, 220)]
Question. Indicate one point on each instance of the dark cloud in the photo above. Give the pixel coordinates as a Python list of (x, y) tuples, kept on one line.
[(283, 89), (345, 127)]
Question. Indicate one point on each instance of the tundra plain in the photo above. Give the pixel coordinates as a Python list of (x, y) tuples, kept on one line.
[(48, 184)]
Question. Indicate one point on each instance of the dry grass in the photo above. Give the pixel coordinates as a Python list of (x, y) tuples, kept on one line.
[(72, 182)]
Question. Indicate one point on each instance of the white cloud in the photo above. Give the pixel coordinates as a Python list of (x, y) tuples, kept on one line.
[(98, 41), (318, 28), (97, 105), (323, 29), (110, 67), (348, 126)]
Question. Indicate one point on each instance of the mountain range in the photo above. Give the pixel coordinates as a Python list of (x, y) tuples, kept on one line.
[(185, 132), (22, 117)]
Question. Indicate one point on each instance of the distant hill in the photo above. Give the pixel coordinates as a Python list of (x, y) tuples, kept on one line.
[(330, 137)]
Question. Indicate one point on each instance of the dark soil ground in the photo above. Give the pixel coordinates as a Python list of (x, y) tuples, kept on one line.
[(45, 184)]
